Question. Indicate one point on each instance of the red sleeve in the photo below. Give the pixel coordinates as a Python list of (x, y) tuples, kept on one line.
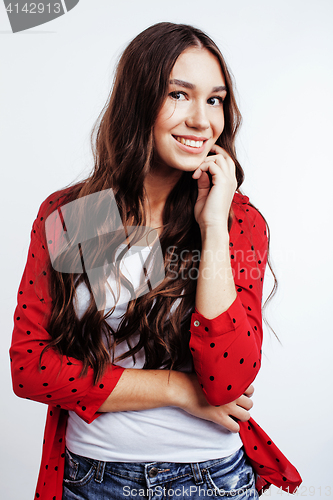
[(227, 349), (57, 382)]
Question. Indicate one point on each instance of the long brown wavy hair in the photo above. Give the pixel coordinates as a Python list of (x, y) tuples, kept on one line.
[(123, 148)]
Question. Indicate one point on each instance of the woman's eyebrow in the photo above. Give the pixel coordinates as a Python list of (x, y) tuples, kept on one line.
[(191, 86)]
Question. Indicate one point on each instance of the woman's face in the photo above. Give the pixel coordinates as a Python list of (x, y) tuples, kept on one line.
[(191, 118)]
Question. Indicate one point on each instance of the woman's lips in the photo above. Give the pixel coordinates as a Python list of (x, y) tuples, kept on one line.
[(189, 144)]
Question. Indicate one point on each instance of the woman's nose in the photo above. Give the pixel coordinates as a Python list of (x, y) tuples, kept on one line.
[(197, 117)]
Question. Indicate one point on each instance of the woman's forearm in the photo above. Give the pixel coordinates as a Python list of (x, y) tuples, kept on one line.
[(143, 390), (215, 286)]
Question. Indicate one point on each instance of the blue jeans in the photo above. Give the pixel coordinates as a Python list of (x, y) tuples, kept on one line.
[(88, 479)]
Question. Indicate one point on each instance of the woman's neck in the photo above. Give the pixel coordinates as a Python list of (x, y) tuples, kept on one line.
[(158, 184)]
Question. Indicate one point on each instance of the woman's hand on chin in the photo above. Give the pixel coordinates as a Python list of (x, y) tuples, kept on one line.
[(213, 203)]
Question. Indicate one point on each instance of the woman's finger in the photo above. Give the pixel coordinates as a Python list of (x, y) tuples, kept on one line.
[(218, 150), (231, 424), (241, 414), (237, 415), (244, 402), (210, 166), (249, 391), (224, 162)]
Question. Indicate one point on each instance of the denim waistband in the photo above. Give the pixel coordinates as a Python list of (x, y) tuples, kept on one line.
[(161, 472)]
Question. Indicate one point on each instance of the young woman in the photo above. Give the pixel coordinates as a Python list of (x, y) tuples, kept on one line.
[(148, 381)]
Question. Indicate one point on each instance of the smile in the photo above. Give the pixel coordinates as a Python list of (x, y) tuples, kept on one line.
[(189, 142)]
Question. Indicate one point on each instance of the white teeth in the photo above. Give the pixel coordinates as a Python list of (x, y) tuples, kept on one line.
[(188, 142)]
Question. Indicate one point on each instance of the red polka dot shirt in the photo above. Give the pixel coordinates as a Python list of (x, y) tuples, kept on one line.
[(226, 351)]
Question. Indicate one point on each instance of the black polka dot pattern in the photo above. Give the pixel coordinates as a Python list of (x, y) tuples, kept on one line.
[(244, 253), (228, 340)]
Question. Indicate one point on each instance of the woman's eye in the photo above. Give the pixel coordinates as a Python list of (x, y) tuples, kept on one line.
[(178, 96), (215, 101)]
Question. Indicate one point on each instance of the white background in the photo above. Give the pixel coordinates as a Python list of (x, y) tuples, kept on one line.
[(55, 80)]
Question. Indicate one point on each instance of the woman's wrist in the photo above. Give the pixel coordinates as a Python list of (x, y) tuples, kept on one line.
[(183, 387), (215, 286), (216, 233)]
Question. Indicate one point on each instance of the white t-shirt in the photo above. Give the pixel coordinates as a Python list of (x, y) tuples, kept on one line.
[(166, 434)]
